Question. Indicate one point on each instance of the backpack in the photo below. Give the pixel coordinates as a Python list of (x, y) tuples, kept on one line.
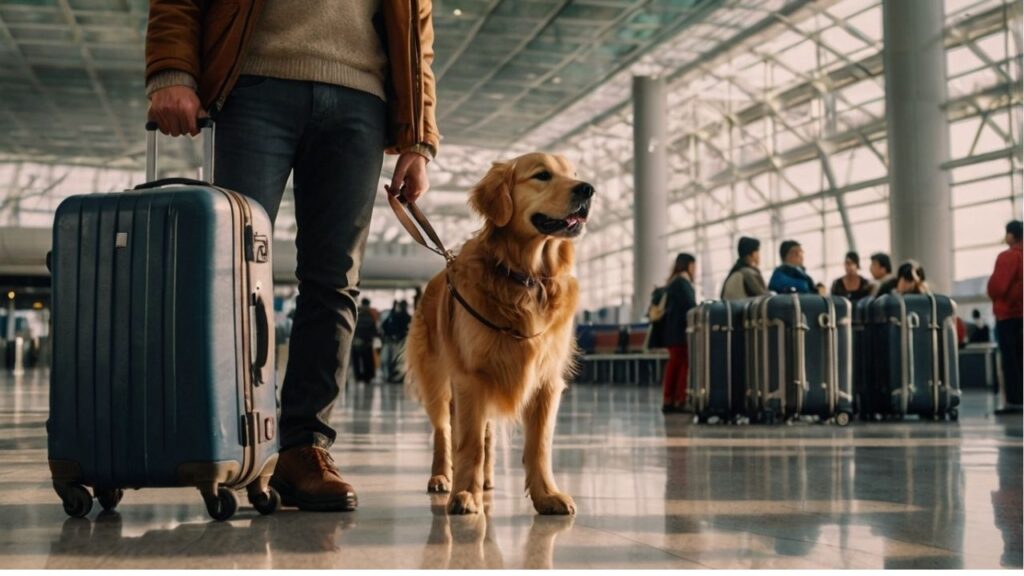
[(659, 304)]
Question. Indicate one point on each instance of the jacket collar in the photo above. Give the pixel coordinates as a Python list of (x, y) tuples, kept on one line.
[(790, 270)]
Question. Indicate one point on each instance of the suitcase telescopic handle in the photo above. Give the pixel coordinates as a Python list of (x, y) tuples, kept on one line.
[(205, 128), (170, 181)]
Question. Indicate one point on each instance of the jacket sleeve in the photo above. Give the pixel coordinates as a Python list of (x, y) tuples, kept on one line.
[(689, 297), (173, 37), (811, 285), (431, 136), (1002, 277)]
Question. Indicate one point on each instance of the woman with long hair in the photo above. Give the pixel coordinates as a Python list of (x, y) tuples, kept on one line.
[(852, 284), (679, 300)]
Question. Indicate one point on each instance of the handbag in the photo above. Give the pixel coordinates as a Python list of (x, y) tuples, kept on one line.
[(659, 305)]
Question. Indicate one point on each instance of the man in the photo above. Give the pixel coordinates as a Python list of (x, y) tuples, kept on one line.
[(395, 328), (745, 279), (977, 331), (366, 332), (790, 276), (309, 87), (1006, 289), (881, 271)]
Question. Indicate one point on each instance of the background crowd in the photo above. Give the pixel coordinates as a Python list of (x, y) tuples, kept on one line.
[(671, 303)]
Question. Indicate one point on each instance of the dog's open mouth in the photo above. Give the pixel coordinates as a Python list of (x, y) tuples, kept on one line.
[(570, 225)]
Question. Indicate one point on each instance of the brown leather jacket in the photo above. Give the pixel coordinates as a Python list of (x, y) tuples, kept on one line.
[(207, 38)]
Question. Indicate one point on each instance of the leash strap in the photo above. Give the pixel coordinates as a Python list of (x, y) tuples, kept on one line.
[(402, 210), (399, 206)]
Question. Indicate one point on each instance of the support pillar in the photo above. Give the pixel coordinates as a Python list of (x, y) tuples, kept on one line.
[(650, 177), (921, 221)]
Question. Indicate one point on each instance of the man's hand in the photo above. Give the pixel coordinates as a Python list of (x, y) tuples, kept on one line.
[(175, 110), (410, 173)]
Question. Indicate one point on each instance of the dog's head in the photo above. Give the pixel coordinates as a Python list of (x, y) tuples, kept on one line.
[(535, 194)]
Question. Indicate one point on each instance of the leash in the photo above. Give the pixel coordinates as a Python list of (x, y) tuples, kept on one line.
[(403, 209)]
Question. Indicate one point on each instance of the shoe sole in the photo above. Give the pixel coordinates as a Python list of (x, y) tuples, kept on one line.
[(295, 499)]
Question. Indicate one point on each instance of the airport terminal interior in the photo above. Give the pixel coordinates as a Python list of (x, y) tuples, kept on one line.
[(874, 126)]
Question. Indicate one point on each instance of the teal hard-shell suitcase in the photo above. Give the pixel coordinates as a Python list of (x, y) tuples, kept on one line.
[(163, 371)]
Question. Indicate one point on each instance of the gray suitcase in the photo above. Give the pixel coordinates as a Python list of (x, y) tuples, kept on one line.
[(799, 351), (865, 367), (714, 332), (913, 343)]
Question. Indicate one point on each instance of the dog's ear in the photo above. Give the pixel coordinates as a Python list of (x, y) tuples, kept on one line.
[(492, 195)]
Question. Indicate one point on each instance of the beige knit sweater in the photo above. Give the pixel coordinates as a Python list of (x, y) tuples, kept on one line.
[(329, 41)]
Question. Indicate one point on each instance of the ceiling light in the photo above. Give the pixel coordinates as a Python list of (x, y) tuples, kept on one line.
[(457, 12)]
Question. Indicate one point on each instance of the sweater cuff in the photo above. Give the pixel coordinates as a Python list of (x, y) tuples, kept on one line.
[(425, 150), (168, 78)]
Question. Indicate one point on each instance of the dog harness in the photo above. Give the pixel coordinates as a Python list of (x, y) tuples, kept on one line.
[(402, 209)]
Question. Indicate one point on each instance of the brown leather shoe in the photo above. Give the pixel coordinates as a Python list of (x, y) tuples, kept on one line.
[(306, 477)]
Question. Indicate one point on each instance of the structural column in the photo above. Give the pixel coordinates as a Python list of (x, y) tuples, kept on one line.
[(650, 178), (920, 217)]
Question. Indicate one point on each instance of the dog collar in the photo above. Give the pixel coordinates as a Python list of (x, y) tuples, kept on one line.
[(519, 277)]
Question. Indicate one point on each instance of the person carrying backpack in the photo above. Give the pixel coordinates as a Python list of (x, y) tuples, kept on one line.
[(680, 298)]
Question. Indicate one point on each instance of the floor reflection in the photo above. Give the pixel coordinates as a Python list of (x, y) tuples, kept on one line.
[(652, 492)]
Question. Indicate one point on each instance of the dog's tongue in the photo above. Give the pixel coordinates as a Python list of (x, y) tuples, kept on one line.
[(572, 220)]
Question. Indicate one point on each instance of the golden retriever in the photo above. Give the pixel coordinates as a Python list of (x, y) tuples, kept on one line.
[(465, 373)]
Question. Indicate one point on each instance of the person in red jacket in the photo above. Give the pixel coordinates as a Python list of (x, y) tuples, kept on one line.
[(1006, 289)]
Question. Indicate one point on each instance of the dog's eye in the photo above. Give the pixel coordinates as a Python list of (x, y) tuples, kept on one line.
[(542, 176)]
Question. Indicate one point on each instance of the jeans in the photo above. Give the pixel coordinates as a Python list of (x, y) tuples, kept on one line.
[(362, 364), (389, 365), (333, 138), (1010, 333), (676, 374)]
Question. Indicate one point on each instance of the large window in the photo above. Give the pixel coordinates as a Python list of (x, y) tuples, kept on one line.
[(785, 138)]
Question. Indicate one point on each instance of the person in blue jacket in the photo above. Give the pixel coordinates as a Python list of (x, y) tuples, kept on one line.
[(790, 276)]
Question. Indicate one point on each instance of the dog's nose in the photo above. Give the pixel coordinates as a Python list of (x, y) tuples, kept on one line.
[(583, 190)]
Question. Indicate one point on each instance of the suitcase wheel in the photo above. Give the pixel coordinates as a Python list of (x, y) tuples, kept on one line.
[(223, 505), (265, 503), (843, 419), (109, 498), (77, 501), (953, 414)]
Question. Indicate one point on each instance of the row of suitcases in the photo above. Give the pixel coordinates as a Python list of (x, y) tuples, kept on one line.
[(783, 357)]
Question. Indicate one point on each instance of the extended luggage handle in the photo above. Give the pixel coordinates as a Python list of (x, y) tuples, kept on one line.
[(171, 181), (206, 176)]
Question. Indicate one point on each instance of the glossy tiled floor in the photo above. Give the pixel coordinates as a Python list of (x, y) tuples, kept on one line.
[(652, 492)]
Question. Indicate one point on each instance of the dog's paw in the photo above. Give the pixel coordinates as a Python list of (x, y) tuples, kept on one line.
[(555, 504), (439, 484), (463, 503)]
